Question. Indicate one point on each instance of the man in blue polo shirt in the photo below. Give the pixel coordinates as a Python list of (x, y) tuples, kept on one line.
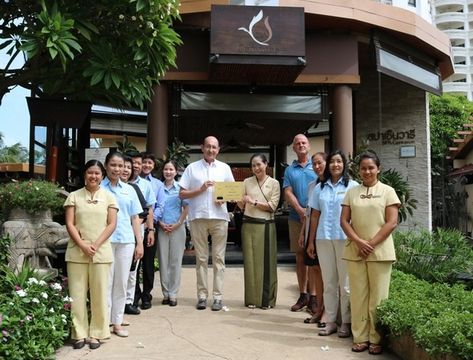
[(297, 177)]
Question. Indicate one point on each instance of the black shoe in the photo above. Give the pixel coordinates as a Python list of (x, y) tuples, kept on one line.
[(172, 302), (132, 310), (165, 301), (201, 304), (78, 344), (145, 305), (94, 344)]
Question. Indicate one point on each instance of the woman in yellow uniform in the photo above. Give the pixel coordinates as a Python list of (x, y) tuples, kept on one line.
[(91, 217), (369, 216)]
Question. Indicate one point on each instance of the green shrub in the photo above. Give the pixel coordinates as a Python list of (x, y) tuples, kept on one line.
[(439, 316), (32, 196), (439, 256), (34, 315)]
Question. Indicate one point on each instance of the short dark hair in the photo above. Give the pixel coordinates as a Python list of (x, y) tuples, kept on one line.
[(134, 154), (369, 154), (127, 158), (148, 155), (95, 162), (168, 161), (261, 156)]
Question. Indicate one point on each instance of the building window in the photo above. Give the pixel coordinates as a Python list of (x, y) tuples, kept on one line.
[(411, 2)]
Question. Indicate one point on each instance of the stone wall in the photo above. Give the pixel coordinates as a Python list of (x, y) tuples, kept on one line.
[(400, 119)]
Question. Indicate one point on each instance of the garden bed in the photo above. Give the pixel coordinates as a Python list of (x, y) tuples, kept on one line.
[(427, 321)]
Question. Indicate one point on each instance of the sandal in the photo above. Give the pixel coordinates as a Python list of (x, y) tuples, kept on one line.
[(313, 319), (78, 344), (360, 347), (94, 344), (329, 329), (321, 324), (375, 349)]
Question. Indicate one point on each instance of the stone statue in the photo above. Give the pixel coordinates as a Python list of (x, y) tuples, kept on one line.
[(34, 238)]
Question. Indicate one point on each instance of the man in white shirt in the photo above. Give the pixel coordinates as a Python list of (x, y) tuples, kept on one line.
[(207, 217)]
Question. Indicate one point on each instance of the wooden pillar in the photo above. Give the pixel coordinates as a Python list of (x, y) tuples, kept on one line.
[(342, 126), (158, 124)]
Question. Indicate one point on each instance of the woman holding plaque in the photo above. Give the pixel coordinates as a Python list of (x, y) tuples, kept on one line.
[(259, 202)]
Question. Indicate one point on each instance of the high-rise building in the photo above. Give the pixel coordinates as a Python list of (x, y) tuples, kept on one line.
[(422, 8), (455, 18)]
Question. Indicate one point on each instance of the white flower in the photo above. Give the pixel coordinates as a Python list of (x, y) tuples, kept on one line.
[(63, 316), (133, 18), (37, 188), (44, 295), (32, 280), (42, 283), (64, 321), (54, 327), (21, 293), (51, 311), (28, 317), (121, 16), (35, 300), (56, 286), (67, 299)]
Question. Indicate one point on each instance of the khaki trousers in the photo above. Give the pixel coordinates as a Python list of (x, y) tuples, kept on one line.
[(200, 230), (84, 277), (369, 285)]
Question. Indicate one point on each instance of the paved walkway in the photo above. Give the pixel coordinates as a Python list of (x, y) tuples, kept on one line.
[(182, 332)]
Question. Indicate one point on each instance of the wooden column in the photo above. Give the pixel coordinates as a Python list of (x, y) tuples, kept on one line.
[(342, 126), (158, 124)]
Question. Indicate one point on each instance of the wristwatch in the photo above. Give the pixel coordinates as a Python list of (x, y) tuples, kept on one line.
[(151, 229)]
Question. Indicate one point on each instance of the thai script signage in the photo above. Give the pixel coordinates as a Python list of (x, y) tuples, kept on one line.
[(393, 137)]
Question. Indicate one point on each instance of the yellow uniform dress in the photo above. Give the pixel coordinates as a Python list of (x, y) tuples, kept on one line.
[(89, 273), (369, 278), (259, 244)]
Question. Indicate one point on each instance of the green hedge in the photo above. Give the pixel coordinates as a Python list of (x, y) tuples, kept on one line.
[(439, 316), (438, 256)]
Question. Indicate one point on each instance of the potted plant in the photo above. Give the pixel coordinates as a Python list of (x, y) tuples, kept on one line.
[(30, 199), (29, 206)]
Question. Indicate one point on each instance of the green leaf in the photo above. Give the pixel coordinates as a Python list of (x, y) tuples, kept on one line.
[(74, 44), (140, 5), (116, 80), (53, 52), (97, 77)]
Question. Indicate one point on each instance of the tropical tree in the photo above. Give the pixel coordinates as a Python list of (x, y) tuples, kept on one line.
[(448, 113), (15, 153), (111, 51)]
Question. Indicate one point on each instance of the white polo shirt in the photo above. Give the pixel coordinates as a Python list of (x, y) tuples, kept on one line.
[(203, 206)]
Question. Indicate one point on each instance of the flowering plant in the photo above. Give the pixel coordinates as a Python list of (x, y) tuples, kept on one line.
[(31, 195), (34, 314)]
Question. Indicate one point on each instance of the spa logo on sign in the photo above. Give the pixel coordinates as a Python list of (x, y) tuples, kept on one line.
[(256, 19)]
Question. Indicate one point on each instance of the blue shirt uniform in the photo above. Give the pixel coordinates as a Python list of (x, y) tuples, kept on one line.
[(128, 205), (329, 202), (158, 189), (172, 204), (146, 190), (298, 177)]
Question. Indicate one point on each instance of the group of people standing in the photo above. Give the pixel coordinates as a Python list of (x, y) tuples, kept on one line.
[(111, 223), (339, 229)]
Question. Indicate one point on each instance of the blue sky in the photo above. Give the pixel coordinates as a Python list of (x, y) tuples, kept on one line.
[(14, 115)]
